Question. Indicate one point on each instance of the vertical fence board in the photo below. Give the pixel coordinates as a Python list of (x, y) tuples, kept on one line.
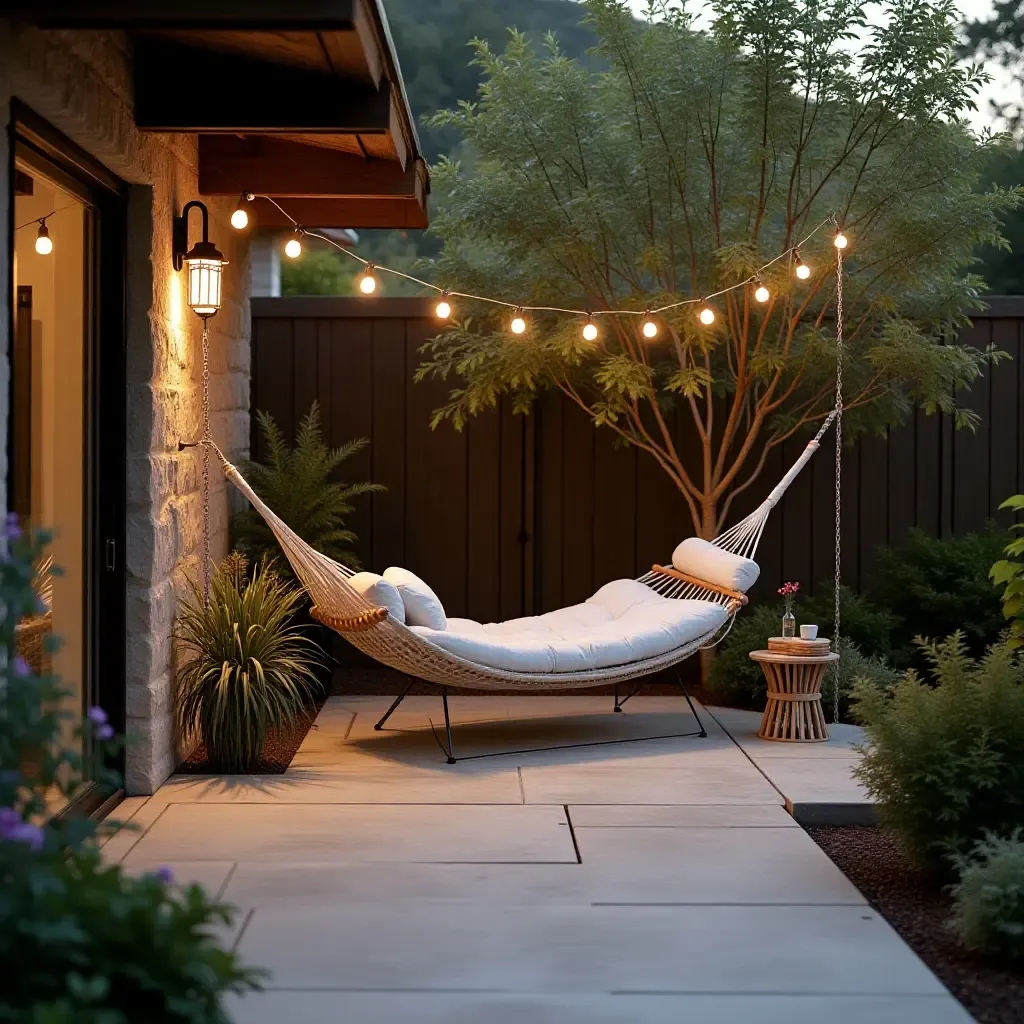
[(512, 517)]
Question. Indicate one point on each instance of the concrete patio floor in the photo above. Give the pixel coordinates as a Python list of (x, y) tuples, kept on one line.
[(634, 882)]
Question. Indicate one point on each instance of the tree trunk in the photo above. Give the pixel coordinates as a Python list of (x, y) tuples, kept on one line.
[(708, 531)]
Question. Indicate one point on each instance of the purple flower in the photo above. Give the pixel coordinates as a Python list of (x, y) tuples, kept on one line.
[(13, 829), (30, 835), (11, 529), (20, 666), (97, 716), (164, 874), (105, 732)]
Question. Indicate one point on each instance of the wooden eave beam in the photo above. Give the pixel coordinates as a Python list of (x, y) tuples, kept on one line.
[(188, 89), (261, 15), (278, 167), (341, 212)]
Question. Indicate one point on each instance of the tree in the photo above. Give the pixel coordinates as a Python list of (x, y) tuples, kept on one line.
[(695, 157), (1000, 38)]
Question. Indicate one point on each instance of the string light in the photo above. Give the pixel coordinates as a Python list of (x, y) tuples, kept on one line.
[(44, 243), (649, 328), (240, 218), (590, 329), (293, 248), (368, 283), (840, 241)]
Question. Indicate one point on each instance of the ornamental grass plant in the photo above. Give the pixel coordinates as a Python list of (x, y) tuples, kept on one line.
[(250, 668)]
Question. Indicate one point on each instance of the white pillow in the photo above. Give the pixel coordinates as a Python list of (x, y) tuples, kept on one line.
[(422, 605), (378, 591), (706, 561)]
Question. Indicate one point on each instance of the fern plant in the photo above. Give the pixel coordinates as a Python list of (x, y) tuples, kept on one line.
[(295, 482), (1009, 574), (251, 670)]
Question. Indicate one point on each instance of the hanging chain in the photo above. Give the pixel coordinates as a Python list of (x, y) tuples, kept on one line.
[(206, 461), (839, 473)]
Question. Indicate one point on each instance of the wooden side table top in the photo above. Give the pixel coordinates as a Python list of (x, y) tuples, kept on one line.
[(793, 659)]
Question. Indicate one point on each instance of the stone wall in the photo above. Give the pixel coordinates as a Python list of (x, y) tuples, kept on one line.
[(81, 83)]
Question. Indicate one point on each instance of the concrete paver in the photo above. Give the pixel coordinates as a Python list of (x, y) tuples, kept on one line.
[(651, 881)]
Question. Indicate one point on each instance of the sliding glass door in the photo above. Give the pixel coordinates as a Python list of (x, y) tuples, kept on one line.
[(66, 428)]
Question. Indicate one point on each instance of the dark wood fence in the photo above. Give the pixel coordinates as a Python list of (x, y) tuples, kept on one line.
[(523, 514)]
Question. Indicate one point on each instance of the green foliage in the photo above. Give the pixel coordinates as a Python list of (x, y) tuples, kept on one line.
[(1009, 574), (83, 943), (988, 909), (250, 670), (692, 157), (296, 483), (318, 272), (80, 941), (737, 680), (432, 41), (944, 761), (933, 587)]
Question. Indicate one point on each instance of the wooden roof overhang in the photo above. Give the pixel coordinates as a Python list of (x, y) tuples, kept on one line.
[(301, 100)]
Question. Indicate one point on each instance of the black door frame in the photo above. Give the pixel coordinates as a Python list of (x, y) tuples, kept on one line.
[(38, 143)]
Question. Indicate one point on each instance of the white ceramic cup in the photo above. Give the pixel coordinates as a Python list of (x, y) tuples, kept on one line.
[(808, 632)]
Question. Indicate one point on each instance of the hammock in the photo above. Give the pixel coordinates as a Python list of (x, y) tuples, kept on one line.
[(370, 628)]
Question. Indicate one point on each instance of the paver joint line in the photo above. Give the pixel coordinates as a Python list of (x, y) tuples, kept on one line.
[(572, 832)]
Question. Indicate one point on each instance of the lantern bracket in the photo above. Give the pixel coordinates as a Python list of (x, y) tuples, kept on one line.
[(179, 237)]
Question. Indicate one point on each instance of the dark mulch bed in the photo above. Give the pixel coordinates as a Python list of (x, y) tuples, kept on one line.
[(277, 753), (918, 909)]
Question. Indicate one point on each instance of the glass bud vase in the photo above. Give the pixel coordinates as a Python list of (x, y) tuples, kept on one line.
[(789, 624)]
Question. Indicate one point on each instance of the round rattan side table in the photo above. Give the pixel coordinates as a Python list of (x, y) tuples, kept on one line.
[(793, 713)]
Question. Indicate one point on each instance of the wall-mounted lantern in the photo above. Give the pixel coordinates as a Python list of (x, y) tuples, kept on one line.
[(205, 262)]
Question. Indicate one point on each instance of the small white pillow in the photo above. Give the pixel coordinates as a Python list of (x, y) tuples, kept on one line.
[(709, 562), (378, 591), (422, 605)]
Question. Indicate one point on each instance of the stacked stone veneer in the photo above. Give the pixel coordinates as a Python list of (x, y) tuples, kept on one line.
[(81, 83)]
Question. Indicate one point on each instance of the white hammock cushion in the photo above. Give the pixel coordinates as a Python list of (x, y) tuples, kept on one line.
[(709, 562), (625, 621), (422, 606)]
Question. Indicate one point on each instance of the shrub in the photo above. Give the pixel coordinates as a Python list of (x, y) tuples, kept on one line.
[(945, 758), (735, 679), (988, 909), (80, 941), (1009, 573), (296, 483), (250, 670), (934, 587)]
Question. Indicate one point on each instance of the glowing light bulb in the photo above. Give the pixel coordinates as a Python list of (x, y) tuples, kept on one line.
[(590, 331), (840, 241), (293, 248), (368, 283), (44, 243), (707, 315), (803, 271), (762, 294), (518, 324), (444, 308), (650, 328), (239, 219)]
